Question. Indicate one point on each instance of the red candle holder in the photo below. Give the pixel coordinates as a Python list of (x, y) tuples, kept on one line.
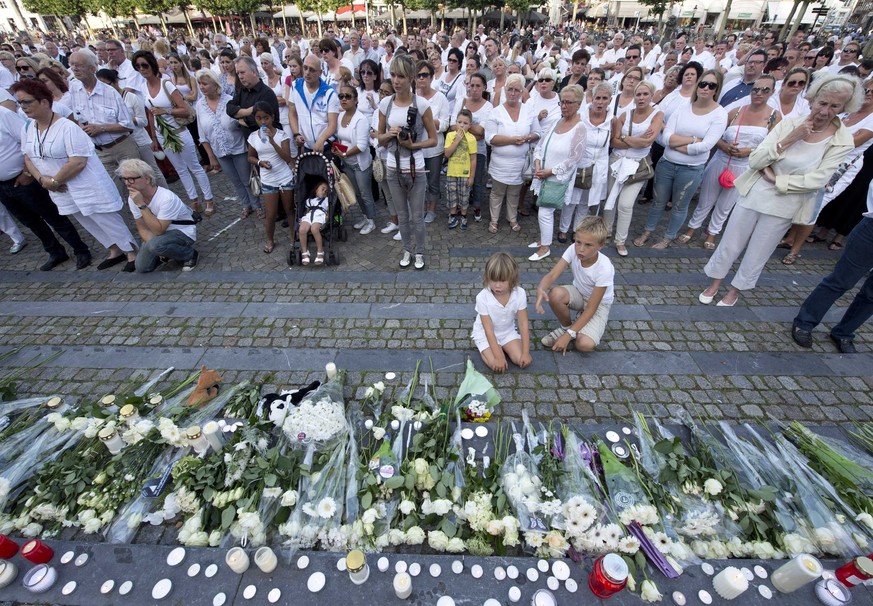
[(855, 572), (8, 547), (609, 576), (37, 552)]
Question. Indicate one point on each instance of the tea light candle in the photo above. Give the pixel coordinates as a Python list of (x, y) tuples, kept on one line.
[(356, 565), (730, 583), (796, 573), (402, 585), (832, 593), (266, 560), (37, 552), (237, 560), (212, 433), (330, 369), (8, 572), (110, 438), (40, 579), (8, 547)]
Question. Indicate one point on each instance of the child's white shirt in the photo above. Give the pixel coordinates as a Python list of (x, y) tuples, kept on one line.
[(503, 317), (585, 279)]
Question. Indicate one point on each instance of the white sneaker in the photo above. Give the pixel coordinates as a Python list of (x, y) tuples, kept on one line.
[(549, 339), (429, 216), (368, 227), (407, 259), (419, 261), (389, 228), (361, 223), (397, 236)]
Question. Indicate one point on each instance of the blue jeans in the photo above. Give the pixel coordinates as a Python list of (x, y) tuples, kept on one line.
[(172, 244), (855, 263), (361, 180), (238, 169), (433, 166), (678, 183), (477, 194)]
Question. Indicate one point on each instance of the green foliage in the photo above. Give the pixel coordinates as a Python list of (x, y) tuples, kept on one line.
[(656, 7)]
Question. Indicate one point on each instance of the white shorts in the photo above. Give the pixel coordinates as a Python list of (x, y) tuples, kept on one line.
[(482, 344), (596, 326), (314, 216)]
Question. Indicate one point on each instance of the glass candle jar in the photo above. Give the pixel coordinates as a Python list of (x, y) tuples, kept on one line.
[(37, 552), (128, 413), (8, 547), (356, 565), (110, 438), (609, 576), (197, 439), (855, 572)]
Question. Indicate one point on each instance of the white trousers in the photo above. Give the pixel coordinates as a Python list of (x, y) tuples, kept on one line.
[(108, 229), (624, 208), (8, 226), (758, 234), (546, 218), (187, 164)]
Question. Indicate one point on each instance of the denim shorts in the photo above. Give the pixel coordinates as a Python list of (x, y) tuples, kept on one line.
[(270, 189)]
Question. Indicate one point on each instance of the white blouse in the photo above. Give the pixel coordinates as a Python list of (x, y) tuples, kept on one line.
[(507, 161), (223, 133), (356, 134)]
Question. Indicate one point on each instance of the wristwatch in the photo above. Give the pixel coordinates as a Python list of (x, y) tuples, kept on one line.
[(572, 333), (143, 207)]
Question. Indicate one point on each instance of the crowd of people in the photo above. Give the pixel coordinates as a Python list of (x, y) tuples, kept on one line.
[(771, 137)]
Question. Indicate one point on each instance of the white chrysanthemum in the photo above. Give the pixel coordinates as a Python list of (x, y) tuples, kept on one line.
[(326, 508)]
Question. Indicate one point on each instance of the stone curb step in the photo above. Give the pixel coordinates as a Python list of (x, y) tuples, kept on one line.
[(605, 363)]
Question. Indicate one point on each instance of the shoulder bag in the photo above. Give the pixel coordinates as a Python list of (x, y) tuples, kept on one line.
[(645, 170), (726, 178), (552, 192), (255, 182), (182, 122)]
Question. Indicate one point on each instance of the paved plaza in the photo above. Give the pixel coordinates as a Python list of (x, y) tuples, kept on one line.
[(249, 315)]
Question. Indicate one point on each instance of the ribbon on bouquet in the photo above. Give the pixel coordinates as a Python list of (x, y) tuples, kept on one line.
[(622, 169)]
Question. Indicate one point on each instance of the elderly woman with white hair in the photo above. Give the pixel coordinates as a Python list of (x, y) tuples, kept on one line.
[(510, 130), (164, 223), (543, 103), (224, 140), (785, 172)]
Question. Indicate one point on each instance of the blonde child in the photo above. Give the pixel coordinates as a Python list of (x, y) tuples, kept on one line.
[(460, 151), (501, 327), (311, 222), (591, 293)]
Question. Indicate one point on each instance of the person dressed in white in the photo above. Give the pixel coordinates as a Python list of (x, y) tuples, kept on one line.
[(510, 130), (166, 104), (433, 156), (598, 128), (353, 146), (544, 100), (556, 158), (61, 157)]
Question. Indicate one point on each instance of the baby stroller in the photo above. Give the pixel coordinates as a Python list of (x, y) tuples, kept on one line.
[(313, 167)]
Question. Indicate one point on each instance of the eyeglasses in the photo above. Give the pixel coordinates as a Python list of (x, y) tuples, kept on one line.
[(868, 91), (631, 57), (26, 102), (324, 50), (568, 102), (452, 60), (809, 58), (796, 83), (345, 96), (130, 179), (385, 92), (368, 73), (850, 51), (541, 80), (709, 85), (423, 75), (141, 66), (759, 89), (709, 46)]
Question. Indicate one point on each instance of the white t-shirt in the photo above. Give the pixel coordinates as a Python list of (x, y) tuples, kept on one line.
[(585, 279), (312, 113), (167, 206), (503, 317), (398, 118), (280, 173)]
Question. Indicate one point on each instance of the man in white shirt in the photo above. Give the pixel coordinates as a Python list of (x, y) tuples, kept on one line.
[(611, 56), (128, 77), (355, 54), (848, 57), (313, 108), (445, 47), (702, 53), (367, 46), (651, 51)]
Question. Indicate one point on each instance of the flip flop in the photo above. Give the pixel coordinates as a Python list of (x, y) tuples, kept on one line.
[(835, 246), (268, 248)]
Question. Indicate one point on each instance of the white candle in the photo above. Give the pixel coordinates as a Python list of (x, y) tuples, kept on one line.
[(266, 560), (402, 585), (796, 573), (111, 439), (237, 559), (197, 439), (330, 369), (730, 583), (212, 433)]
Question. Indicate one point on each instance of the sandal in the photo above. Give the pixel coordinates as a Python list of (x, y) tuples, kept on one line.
[(835, 245), (684, 239), (196, 206), (791, 258), (246, 212), (210, 209), (785, 245), (492, 227), (319, 258), (304, 258), (260, 212), (641, 241), (814, 238), (515, 226), (268, 248), (562, 238), (709, 245), (663, 244), (524, 212)]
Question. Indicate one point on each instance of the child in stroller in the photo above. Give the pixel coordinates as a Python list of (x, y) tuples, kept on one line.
[(313, 218)]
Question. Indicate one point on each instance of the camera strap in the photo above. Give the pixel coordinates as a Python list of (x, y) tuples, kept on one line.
[(397, 143)]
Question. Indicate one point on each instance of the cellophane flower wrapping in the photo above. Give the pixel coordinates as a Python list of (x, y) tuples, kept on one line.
[(320, 418), (524, 489), (476, 397)]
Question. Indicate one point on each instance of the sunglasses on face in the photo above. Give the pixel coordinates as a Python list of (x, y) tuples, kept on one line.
[(709, 46), (851, 51), (22, 68), (367, 73), (129, 179), (141, 66), (868, 91), (796, 83), (761, 89), (453, 60), (546, 80), (632, 57), (423, 75), (345, 97), (709, 85)]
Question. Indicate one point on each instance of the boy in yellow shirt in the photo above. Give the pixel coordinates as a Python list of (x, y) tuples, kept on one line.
[(461, 152)]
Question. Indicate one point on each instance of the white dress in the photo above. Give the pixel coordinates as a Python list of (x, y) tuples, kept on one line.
[(597, 154), (504, 318), (90, 192)]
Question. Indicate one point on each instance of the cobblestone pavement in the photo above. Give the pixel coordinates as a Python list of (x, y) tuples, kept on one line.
[(250, 315)]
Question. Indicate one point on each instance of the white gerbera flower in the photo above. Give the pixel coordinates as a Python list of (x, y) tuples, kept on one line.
[(326, 508)]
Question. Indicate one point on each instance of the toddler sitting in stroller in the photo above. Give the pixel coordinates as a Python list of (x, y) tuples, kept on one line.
[(314, 216)]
